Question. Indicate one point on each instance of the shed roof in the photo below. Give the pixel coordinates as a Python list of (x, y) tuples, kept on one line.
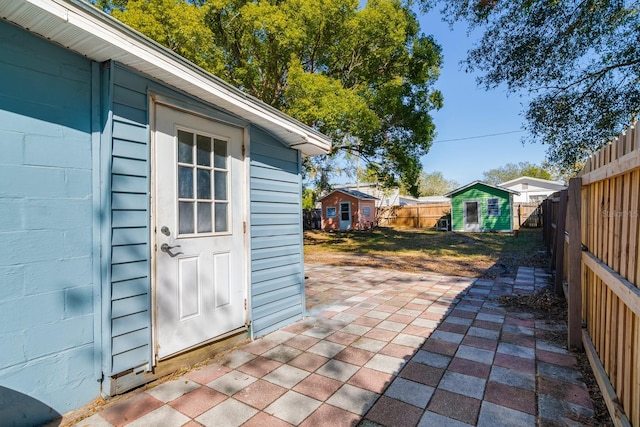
[(474, 183), (84, 29), (353, 193)]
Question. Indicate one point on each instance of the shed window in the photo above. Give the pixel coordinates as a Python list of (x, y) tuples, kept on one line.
[(331, 212), (493, 207), (366, 211)]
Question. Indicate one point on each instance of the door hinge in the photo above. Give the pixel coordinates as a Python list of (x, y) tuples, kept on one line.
[(243, 150), (244, 227), (245, 303)]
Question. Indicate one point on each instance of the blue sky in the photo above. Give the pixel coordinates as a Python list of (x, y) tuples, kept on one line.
[(470, 111)]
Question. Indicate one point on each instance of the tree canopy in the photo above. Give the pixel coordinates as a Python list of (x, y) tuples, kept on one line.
[(512, 171), (362, 75), (580, 60), (434, 184)]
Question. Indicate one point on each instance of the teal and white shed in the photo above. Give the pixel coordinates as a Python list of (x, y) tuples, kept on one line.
[(147, 209), (478, 206)]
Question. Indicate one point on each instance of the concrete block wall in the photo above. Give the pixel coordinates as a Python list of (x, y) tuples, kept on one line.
[(46, 235)]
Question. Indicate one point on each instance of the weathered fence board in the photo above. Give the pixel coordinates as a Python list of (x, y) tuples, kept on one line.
[(602, 268)]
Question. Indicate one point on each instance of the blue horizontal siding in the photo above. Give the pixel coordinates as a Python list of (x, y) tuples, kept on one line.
[(277, 287), (130, 287)]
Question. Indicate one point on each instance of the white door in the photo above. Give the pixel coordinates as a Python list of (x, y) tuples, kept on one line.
[(471, 215), (199, 256), (345, 215)]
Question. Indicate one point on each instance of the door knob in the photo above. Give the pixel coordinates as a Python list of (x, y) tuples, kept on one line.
[(167, 249)]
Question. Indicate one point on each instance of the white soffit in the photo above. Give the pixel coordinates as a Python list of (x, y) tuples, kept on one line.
[(88, 31)]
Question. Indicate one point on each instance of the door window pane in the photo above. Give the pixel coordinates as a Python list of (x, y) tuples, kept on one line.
[(204, 217), (185, 182), (344, 212), (204, 150), (185, 147), (220, 154), (221, 217), (472, 212), (221, 185), (204, 184), (185, 218)]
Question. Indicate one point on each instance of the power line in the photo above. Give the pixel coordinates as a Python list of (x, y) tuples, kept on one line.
[(478, 136)]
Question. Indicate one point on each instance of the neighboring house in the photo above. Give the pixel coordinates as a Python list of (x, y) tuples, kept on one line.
[(147, 208), (348, 210), (384, 196), (481, 207), (532, 190)]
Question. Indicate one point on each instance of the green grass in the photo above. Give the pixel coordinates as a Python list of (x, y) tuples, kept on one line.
[(468, 254)]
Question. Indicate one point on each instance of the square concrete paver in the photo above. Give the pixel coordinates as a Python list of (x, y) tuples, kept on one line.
[(326, 348), (353, 399), (499, 416), (165, 415), (131, 409), (511, 397), (383, 363), (229, 413), (260, 394), (329, 416), (454, 405), (198, 401), (338, 370), (392, 412), (318, 387), (293, 407), (466, 385), (410, 392), (287, 376), (171, 390), (372, 380), (232, 382)]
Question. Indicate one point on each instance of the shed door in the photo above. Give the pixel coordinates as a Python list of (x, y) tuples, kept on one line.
[(199, 255), (471, 211), (345, 215)]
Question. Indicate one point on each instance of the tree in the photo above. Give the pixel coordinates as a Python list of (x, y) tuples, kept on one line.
[(363, 76), (512, 171), (435, 184), (579, 59)]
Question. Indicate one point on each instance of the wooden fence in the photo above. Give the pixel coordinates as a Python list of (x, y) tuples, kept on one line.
[(417, 216), (593, 230), (527, 215)]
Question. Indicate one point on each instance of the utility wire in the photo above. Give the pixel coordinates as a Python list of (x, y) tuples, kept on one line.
[(478, 136)]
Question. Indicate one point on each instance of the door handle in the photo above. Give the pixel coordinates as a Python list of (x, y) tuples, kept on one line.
[(167, 249)]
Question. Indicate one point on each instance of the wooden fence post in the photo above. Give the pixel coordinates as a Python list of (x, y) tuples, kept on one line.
[(560, 242), (574, 262), (546, 224)]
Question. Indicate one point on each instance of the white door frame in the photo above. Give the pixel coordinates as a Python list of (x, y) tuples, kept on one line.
[(464, 215), (157, 99)]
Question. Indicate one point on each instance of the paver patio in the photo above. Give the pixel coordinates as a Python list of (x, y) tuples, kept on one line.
[(382, 347)]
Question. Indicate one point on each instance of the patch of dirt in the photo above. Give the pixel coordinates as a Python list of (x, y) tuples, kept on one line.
[(546, 305)]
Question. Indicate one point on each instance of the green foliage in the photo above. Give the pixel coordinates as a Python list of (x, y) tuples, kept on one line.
[(579, 59), (308, 199), (434, 184), (362, 75), (512, 171)]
